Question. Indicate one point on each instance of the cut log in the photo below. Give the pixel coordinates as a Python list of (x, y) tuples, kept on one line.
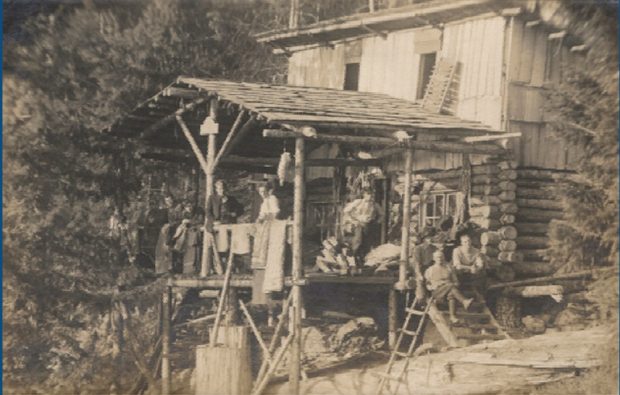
[(507, 245), (535, 255), (490, 238), (508, 232), (489, 250), (537, 215), (556, 278), (509, 208), (510, 257), (536, 193), (540, 174), (531, 269), (485, 169), (507, 164), (485, 223), (532, 228), (532, 242), (482, 179), (486, 189), (486, 200), (484, 211), (539, 203), (547, 184), (533, 291), (507, 219), (507, 175), (507, 196), (507, 186)]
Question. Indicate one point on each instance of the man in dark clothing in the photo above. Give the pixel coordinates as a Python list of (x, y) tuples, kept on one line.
[(222, 208), (422, 258)]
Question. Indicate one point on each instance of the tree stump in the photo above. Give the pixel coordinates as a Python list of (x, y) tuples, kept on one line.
[(508, 311)]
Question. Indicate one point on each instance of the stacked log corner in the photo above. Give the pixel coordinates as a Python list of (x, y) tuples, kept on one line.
[(538, 205)]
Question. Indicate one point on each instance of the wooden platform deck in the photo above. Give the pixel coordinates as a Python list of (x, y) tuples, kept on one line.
[(245, 280)]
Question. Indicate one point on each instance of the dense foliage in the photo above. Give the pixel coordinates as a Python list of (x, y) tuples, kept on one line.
[(586, 104), (71, 74)]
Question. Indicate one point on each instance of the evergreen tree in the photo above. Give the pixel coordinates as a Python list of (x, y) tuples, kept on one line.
[(586, 104)]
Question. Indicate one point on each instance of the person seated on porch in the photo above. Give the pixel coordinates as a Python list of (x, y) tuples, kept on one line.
[(358, 216), (442, 282), (422, 259), (222, 208), (469, 264)]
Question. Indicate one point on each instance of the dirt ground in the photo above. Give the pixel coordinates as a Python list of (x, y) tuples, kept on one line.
[(453, 372)]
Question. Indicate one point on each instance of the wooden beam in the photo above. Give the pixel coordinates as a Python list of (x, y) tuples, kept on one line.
[(557, 35), (567, 276), (226, 146), (437, 146), (369, 29), (579, 48), (298, 224), (183, 93), (512, 11), (192, 143), (533, 23), (491, 137), (207, 257), (151, 130)]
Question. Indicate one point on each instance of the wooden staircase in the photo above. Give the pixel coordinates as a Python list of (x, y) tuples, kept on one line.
[(477, 325)]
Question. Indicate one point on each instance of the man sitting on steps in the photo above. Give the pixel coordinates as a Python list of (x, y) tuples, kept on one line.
[(442, 282)]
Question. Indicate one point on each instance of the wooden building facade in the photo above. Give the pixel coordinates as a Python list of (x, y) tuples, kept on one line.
[(505, 58)]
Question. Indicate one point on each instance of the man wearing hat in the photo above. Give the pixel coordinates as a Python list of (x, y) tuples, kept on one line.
[(422, 259)]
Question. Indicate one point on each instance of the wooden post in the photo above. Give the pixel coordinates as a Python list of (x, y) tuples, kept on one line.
[(392, 317), (404, 242), (298, 213), (293, 22), (166, 336), (206, 257)]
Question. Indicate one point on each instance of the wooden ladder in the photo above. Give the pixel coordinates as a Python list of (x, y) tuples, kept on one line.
[(387, 376)]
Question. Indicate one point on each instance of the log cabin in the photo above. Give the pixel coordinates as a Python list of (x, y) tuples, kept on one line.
[(444, 98)]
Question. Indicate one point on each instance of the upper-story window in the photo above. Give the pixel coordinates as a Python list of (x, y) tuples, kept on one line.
[(351, 76), (427, 62)]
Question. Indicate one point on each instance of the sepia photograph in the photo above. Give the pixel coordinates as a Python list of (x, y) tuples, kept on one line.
[(310, 197)]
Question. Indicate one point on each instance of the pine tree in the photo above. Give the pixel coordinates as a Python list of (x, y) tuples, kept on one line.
[(586, 108)]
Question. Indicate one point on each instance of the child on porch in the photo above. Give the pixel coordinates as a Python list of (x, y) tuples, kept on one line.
[(442, 282)]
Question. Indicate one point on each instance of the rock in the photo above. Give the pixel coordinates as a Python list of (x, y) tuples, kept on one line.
[(533, 324), (355, 336)]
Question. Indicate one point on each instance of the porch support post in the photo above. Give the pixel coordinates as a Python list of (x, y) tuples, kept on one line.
[(405, 235), (166, 340), (392, 317), (298, 212), (206, 261)]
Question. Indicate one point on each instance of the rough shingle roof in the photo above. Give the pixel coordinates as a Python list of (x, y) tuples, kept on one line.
[(299, 106)]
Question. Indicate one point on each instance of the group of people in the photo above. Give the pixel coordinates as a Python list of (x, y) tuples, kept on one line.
[(180, 241), (442, 277)]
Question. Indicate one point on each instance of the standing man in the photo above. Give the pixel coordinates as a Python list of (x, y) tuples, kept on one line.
[(222, 209)]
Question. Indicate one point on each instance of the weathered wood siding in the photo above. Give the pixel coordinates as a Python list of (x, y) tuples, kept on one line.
[(535, 61), (390, 65)]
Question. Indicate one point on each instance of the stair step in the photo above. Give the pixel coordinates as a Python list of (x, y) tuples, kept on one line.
[(469, 325)]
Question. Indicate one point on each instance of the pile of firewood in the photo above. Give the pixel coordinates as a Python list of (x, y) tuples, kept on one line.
[(336, 258)]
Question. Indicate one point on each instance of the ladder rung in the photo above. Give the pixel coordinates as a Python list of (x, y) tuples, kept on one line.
[(408, 332), (414, 311), (387, 376)]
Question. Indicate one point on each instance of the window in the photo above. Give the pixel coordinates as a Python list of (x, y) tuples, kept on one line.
[(427, 62), (351, 76), (436, 206)]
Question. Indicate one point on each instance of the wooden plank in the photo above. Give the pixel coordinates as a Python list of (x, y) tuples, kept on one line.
[(514, 63), (540, 58)]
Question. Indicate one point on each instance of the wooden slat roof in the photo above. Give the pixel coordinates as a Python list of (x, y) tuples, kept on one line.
[(327, 109), (430, 13)]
